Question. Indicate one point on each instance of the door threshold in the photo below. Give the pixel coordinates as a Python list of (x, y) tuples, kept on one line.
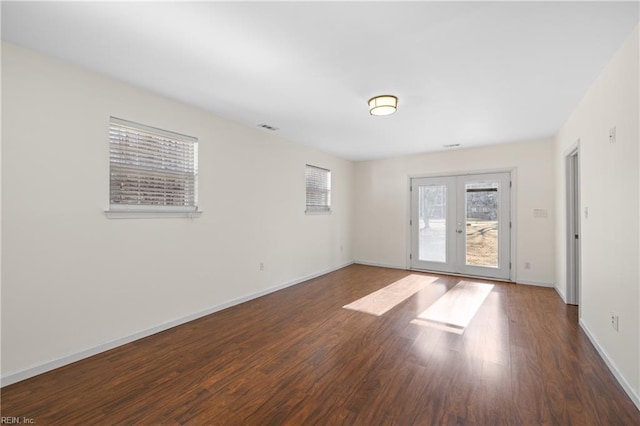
[(504, 280)]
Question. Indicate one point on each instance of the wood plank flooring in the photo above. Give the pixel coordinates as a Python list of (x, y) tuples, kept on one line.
[(296, 357)]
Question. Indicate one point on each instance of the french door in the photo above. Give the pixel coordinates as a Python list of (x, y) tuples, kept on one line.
[(461, 224)]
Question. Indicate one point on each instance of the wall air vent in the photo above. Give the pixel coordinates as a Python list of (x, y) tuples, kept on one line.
[(451, 145), (266, 126)]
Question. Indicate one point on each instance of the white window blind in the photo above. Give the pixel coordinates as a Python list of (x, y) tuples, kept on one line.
[(151, 169), (318, 189)]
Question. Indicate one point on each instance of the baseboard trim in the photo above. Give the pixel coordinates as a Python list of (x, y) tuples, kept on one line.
[(612, 365), (561, 294), (379, 265), (536, 283), (12, 378)]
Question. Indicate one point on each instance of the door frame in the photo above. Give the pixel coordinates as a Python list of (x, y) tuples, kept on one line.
[(573, 226), (513, 171)]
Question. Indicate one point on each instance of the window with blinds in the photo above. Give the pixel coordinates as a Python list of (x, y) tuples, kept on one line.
[(318, 189), (151, 169)]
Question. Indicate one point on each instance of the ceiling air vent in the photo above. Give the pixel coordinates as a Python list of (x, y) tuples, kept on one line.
[(266, 126)]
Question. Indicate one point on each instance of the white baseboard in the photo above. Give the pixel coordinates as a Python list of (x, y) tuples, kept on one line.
[(612, 366), (561, 294), (535, 283), (380, 265), (71, 358)]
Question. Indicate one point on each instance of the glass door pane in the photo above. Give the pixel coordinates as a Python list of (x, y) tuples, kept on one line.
[(432, 207), (482, 202), (433, 245)]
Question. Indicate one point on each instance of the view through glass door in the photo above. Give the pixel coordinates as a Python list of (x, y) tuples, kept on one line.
[(461, 224)]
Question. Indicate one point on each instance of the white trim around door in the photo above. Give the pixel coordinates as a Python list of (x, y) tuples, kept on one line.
[(462, 224)]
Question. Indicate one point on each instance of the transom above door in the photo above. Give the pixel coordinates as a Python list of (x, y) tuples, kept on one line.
[(461, 224)]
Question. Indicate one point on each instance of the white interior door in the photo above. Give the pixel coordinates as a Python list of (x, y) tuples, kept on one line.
[(461, 224), (573, 227)]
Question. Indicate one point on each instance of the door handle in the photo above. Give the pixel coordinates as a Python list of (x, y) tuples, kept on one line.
[(459, 231)]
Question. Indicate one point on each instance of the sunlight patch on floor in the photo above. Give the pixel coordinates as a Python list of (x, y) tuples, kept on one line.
[(385, 299), (454, 310), (439, 326)]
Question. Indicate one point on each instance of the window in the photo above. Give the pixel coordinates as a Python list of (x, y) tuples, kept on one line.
[(318, 189), (151, 170)]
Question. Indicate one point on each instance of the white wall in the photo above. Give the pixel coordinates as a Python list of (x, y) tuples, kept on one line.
[(382, 193), (610, 185), (73, 280)]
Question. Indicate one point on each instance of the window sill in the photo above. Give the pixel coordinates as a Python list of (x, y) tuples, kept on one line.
[(141, 214), (313, 213)]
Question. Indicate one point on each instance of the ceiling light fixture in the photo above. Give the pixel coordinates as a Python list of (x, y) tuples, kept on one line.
[(383, 105)]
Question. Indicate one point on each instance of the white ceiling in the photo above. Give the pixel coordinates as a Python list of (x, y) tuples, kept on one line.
[(470, 73)]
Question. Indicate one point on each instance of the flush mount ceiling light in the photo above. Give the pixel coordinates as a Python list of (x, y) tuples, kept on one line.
[(383, 105)]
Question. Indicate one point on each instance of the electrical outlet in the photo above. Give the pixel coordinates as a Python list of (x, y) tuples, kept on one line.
[(261, 266), (614, 321), (527, 265)]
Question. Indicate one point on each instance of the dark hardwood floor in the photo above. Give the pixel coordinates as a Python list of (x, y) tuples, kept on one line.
[(297, 357)]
